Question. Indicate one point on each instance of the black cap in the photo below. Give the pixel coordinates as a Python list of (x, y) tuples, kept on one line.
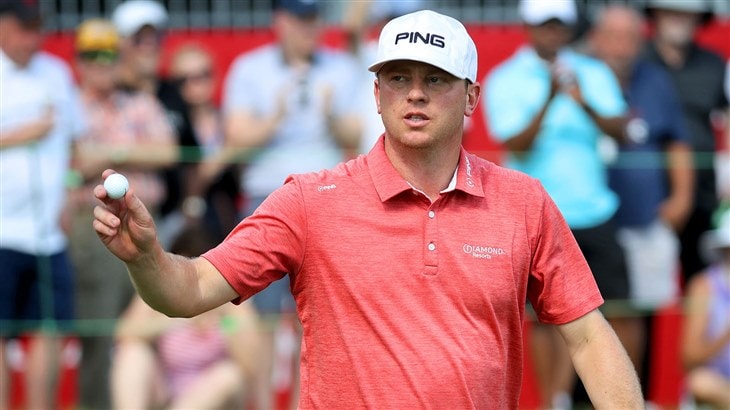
[(700, 7), (25, 10), (301, 8)]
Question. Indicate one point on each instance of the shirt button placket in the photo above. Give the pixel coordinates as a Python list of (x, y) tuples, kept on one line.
[(431, 257)]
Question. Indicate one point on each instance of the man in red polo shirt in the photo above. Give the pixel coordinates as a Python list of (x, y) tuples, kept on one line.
[(410, 265)]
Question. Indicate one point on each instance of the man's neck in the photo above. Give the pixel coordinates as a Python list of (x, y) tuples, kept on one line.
[(20, 65), (673, 55), (97, 95), (131, 79), (427, 169), (547, 56)]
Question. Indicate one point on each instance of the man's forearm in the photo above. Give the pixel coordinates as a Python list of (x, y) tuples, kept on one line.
[(24, 134), (167, 282), (614, 127), (603, 365), (347, 131), (243, 130), (522, 142)]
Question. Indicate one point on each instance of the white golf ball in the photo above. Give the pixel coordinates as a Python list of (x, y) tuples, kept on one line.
[(116, 186)]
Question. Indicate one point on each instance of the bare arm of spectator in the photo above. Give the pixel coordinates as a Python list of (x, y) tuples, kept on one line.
[(680, 166), (30, 132), (141, 322), (246, 130), (355, 22), (346, 128), (696, 349), (724, 169), (154, 148), (602, 363), (614, 127), (522, 142), (242, 336)]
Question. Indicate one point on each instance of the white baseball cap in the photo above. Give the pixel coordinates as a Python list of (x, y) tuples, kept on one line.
[(714, 240), (536, 12), (431, 38), (132, 15)]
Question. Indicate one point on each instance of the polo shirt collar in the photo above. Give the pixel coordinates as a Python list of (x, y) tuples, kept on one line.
[(6, 64), (314, 58), (389, 183)]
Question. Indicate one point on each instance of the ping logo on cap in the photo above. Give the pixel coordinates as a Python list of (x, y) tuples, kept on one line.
[(415, 36)]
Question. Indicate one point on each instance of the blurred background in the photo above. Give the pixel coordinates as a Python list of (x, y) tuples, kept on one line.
[(181, 95)]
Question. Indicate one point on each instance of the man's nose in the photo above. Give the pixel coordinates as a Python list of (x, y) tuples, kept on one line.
[(417, 91)]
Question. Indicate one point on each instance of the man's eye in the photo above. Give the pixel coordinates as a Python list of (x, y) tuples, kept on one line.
[(434, 80), (399, 78)]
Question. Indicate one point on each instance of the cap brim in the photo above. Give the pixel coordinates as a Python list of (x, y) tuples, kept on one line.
[(375, 67), (711, 246), (705, 16), (304, 12)]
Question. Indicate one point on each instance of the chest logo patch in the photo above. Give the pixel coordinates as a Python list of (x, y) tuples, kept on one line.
[(483, 252)]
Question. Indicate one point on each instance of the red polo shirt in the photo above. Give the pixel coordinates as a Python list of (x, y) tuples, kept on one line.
[(407, 303)]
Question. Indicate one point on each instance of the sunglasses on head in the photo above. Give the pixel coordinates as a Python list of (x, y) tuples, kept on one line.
[(99, 56), (193, 77)]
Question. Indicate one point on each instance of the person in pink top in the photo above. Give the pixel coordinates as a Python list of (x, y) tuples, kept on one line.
[(206, 362), (410, 265), (706, 330)]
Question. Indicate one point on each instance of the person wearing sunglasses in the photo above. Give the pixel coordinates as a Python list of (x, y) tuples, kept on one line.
[(192, 70)]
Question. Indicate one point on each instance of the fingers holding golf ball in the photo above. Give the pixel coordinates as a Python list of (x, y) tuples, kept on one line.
[(122, 222), (116, 186)]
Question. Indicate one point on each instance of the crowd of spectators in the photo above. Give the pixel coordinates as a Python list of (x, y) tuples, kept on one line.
[(617, 126)]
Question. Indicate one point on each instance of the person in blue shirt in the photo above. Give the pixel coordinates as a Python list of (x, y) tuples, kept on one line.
[(549, 106), (653, 171), (698, 74)]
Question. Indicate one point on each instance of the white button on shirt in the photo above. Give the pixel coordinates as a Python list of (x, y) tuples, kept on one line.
[(431, 246), (431, 214)]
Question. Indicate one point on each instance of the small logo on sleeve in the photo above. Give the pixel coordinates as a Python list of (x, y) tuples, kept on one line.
[(323, 188)]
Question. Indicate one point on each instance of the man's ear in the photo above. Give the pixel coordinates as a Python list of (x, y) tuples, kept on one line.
[(473, 94), (376, 92)]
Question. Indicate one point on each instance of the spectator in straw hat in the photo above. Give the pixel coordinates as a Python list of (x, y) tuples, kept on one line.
[(128, 130)]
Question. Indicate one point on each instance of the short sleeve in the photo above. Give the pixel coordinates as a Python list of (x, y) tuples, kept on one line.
[(69, 103), (235, 86), (506, 111), (345, 86), (602, 91), (80, 125), (561, 287), (265, 246), (678, 131)]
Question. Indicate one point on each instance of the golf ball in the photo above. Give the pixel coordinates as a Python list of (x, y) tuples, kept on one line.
[(116, 186)]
